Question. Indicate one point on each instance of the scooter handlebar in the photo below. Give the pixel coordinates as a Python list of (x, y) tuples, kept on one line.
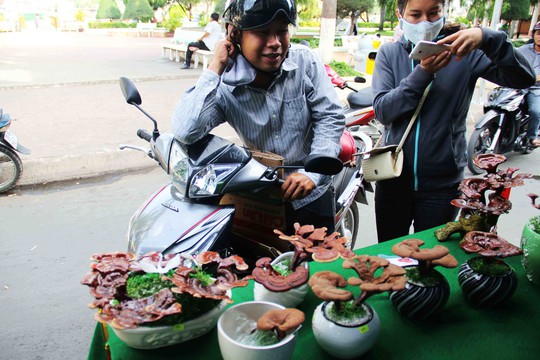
[(143, 134)]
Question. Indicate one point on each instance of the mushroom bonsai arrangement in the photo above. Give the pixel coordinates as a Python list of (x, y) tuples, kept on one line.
[(160, 291), (530, 244), (427, 289), (483, 200), (258, 330), (486, 280), (337, 321), (284, 280)]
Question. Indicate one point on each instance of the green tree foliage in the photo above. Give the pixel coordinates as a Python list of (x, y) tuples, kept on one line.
[(108, 10), (308, 9), (157, 4), (138, 10), (348, 7), (174, 17), (515, 9)]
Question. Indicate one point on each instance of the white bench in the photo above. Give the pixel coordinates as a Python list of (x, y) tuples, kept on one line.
[(145, 28), (178, 46)]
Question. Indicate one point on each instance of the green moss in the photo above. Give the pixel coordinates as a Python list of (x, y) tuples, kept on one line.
[(348, 314), (534, 224), (282, 267), (142, 285), (489, 266), (265, 338), (431, 278)]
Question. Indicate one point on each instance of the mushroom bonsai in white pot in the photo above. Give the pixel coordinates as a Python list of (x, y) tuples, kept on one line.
[(344, 326)]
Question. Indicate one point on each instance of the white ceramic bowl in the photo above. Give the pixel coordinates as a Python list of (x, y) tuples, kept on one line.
[(146, 337), (228, 333), (290, 298)]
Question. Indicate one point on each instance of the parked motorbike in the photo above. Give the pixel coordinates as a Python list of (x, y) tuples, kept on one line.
[(185, 215), (11, 167), (503, 126), (359, 113)]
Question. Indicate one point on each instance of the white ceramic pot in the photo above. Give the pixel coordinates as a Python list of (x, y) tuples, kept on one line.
[(345, 341), (147, 337), (239, 320), (290, 298)]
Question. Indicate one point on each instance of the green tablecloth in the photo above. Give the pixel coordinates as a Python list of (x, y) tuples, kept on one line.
[(461, 331)]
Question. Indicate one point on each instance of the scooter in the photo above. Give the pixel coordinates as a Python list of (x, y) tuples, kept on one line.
[(186, 216), (502, 128), (11, 167), (359, 113)]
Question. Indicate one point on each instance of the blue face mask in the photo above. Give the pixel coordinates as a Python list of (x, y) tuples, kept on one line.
[(425, 30)]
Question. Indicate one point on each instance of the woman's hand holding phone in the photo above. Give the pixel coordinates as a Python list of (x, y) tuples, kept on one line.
[(463, 42)]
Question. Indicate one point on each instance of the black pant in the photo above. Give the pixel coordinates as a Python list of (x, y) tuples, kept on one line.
[(319, 213), (397, 207), (198, 44)]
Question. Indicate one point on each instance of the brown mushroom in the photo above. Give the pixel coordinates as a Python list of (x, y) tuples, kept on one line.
[(325, 285), (488, 245), (488, 162), (281, 321), (427, 258), (411, 248), (533, 200)]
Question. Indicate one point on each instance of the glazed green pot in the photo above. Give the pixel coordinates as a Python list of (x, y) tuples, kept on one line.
[(530, 244)]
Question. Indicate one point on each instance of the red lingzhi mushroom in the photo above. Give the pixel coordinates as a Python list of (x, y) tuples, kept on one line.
[(281, 321)]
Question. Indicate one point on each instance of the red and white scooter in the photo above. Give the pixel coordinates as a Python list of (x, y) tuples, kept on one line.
[(359, 113)]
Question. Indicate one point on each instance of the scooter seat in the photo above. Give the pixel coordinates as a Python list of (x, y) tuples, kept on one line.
[(362, 98)]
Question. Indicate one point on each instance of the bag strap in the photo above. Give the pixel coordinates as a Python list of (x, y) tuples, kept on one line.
[(413, 119)]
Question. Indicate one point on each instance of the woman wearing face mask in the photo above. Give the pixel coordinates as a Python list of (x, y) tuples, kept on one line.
[(435, 150)]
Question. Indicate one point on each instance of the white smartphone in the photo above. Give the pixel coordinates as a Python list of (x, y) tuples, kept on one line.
[(426, 49)]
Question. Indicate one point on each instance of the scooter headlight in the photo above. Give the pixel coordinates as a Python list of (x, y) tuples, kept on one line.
[(209, 180), (179, 168)]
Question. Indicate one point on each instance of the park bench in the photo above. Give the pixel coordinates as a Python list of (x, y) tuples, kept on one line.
[(178, 46), (145, 28)]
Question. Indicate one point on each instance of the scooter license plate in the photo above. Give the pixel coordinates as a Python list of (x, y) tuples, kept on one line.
[(11, 138)]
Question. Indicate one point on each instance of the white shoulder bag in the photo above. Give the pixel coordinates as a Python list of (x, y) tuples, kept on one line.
[(386, 162)]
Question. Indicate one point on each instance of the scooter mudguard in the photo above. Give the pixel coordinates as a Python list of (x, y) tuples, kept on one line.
[(487, 117), (170, 223)]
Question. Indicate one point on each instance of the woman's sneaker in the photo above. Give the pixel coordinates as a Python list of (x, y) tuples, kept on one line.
[(185, 66)]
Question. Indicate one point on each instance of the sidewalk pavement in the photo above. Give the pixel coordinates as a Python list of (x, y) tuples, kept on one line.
[(62, 90)]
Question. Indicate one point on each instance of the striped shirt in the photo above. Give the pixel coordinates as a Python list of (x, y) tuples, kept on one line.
[(534, 59), (298, 115)]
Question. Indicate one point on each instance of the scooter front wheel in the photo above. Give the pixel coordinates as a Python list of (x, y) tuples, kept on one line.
[(479, 143), (349, 225), (10, 168)]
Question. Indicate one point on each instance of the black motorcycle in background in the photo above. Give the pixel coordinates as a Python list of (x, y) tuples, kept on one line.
[(10, 163), (502, 128)]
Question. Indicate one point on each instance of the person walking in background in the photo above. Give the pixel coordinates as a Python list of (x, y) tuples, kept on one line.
[(212, 33), (532, 53), (435, 150), (277, 97)]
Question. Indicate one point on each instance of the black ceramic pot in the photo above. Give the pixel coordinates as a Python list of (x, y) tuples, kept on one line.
[(487, 282), (421, 299)]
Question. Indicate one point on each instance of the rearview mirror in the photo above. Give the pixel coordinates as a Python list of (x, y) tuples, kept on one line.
[(322, 164), (131, 94)]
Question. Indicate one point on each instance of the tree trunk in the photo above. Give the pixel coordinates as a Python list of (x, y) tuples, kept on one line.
[(328, 30), (383, 15), (534, 18)]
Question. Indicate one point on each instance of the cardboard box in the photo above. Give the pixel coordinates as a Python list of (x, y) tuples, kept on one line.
[(258, 214)]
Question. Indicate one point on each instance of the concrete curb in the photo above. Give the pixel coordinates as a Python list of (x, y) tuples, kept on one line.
[(80, 166)]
